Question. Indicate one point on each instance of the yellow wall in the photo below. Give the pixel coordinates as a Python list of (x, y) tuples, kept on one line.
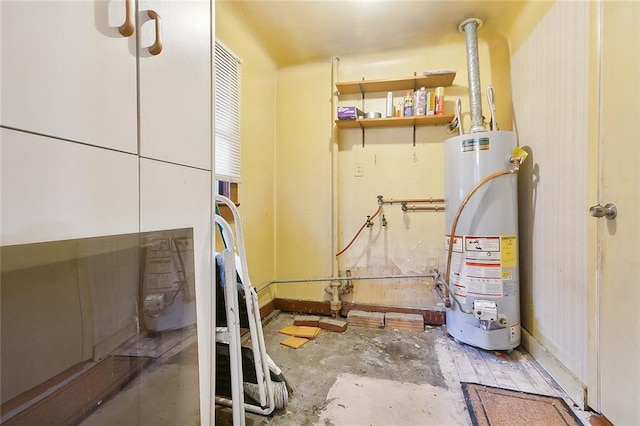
[(300, 200), (256, 192), (307, 158), (303, 178)]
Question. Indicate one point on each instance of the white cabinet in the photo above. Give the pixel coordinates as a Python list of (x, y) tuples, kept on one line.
[(173, 196), (175, 85), (101, 137), (56, 190), (67, 74)]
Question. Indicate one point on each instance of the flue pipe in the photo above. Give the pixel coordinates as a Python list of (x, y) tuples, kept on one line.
[(470, 29)]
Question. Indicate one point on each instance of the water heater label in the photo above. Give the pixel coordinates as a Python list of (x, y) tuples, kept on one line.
[(509, 245), (479, 144), (460, 288), (482, 246), (482, 266)]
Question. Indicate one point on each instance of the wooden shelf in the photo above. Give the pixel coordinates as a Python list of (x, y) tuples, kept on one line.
[(423, 120), (390, 85), (441, 79)]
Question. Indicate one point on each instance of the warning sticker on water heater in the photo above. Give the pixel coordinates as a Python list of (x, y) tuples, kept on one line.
[(482, 269), (509, 245), (457, 253), (482, 247), (482, 265)]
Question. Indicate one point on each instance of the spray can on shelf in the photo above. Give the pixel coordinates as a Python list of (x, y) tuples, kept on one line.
[(421, 101), (439, 110), (407, 105), (389, 110)]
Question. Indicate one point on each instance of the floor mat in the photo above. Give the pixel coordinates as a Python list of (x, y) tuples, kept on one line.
[(490, 406)]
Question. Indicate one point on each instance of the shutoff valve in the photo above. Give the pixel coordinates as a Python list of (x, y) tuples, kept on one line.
[(485, 310)]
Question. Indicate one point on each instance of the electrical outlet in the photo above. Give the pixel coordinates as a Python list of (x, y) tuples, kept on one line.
[(358, 170)]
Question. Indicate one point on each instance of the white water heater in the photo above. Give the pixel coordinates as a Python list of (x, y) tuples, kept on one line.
[(483, 280), (481, 283)]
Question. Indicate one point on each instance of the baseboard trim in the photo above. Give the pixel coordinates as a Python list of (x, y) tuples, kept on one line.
[(267, 309), (431, 316), (573, 386)]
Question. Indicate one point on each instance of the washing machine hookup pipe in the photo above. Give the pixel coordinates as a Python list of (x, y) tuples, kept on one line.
[(365, 224)]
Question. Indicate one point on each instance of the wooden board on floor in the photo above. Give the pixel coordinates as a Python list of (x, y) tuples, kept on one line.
[(294, 342), (301, 331), (516, 370)]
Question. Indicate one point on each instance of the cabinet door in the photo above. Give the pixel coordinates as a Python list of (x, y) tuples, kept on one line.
[(175, 85), (172, 197), (67, 73), (55, 190)]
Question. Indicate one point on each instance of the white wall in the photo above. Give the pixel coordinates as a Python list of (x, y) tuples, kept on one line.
[(550, 75)]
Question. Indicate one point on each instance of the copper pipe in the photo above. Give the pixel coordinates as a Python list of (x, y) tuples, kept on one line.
[(435, 208), (410, 200)]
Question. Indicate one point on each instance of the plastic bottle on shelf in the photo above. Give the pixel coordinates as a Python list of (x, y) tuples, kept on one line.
[(407, 105), (421, 101), (389, 110), (439, 101)]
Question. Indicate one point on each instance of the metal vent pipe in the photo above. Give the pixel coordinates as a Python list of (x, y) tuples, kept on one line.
[(470, 29)]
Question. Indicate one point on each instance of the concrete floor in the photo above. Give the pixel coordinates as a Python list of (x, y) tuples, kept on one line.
[(364, 376), (369, 376)]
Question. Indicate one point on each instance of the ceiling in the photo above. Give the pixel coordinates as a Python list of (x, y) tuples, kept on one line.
[(299, 31)]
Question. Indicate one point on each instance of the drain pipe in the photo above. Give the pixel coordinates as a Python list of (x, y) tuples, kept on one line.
[(470, 29), (335, 140), (337, 289)]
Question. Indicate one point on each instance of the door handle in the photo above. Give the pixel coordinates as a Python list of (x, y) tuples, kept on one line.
[(156, 47), (127, 28), (609, 211)]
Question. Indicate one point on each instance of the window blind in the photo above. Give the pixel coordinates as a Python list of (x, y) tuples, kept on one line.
[(227, 114)]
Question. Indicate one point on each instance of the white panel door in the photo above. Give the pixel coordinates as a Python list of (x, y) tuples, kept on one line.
[(67, 71), (175, 85), (619, 334), (56, 190)]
